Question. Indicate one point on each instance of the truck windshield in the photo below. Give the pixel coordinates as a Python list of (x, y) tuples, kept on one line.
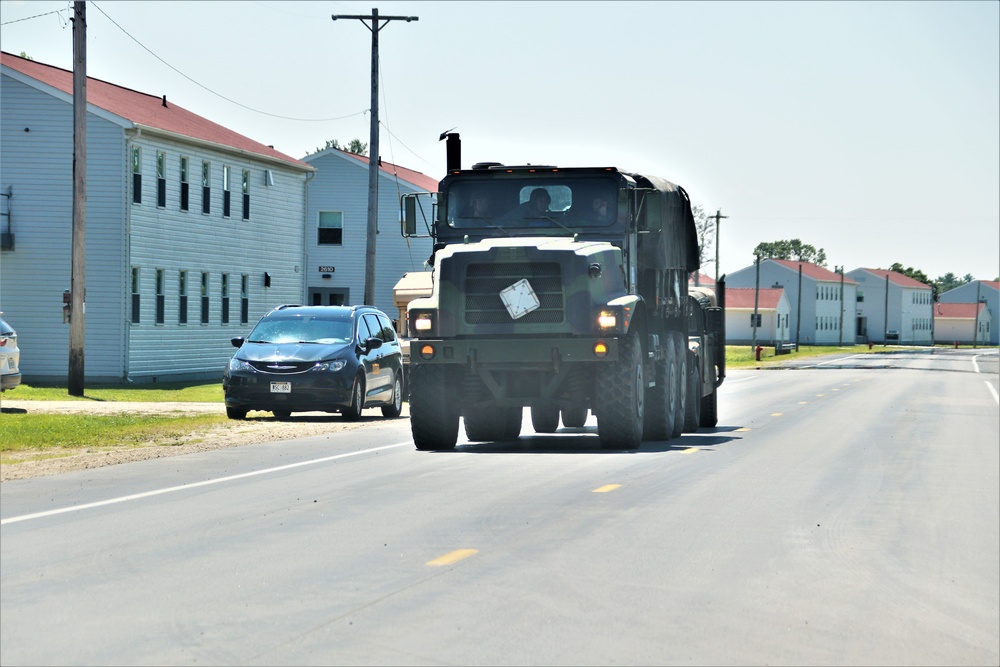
[(532, 202)]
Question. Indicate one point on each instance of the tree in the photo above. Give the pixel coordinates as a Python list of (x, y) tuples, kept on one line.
[(950, 281), (911, 272), (793, 250), (355, 146), (705, 228)]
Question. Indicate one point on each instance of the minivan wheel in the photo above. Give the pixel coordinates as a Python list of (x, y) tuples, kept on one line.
[(236, 413), (353, 411), (394, 409)]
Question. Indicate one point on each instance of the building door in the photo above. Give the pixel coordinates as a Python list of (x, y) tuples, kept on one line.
[(862, 329), (328, 296)]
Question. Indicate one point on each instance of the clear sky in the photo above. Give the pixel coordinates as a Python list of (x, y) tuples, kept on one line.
[(868, 129)]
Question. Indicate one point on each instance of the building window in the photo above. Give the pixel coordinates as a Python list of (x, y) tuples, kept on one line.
[(161, 179), (861, 296), (331, 228), (184, 184), (225, 298), (206, 189), (204, 298), (135, 295), (160, 297), (136, 175), (182, 293), (246, 194), (244, 298), (226, 171)]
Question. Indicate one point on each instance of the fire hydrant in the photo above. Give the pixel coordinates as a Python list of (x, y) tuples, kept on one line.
[(759, 350), (869, 345)]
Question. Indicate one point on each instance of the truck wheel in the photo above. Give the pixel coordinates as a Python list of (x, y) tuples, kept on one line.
[(491, 423), (544, 418), (575, 417), (680, 401), (692, 412), (433, 415), (660, 410), (709, 409), (622, 390)]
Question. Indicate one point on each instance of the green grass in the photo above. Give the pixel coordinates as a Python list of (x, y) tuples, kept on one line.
[(205, 392), (26, 432), (742, 356)]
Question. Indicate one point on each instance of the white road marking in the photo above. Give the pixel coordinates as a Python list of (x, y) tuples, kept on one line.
[(195, 485), (993, 391)]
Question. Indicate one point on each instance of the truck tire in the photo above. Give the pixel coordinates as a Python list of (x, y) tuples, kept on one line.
[(660, 410), (692, 413), (433, 416), (544, 418), (680, 402), (492, 423), (709, 409), (575, 417), (622, 392)]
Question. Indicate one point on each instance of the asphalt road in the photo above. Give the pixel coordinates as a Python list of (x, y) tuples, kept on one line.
[(845, 512)]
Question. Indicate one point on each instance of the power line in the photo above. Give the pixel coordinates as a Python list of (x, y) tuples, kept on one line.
[(265, 113)]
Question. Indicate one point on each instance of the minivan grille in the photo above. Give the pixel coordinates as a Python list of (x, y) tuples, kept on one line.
[(484, 282), (282, 367)]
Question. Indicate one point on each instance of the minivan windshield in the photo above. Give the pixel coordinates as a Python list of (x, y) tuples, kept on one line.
[(281, 329)]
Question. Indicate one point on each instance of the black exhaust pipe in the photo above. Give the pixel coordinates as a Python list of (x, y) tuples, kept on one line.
[(454, 151)]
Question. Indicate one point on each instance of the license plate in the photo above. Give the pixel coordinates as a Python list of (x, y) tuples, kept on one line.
[(281, 387)]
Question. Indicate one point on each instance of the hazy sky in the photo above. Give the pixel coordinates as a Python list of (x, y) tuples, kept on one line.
[(868, 129)]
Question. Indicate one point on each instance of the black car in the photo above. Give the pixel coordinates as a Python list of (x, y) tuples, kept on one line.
[(316, 358)]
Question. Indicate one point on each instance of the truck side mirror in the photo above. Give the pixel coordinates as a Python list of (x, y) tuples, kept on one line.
[(714, 320), (409, 216)]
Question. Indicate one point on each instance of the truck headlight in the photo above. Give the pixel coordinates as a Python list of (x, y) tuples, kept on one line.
[(423, 322), (607, 320)]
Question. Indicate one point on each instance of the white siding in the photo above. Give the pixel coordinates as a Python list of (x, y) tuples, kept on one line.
[(37, 165)]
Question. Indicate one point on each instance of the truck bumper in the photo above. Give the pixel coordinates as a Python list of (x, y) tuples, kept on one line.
[(512, 353)]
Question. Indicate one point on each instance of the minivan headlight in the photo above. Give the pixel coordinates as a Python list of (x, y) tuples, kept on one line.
[(332, 366), (236, 365)]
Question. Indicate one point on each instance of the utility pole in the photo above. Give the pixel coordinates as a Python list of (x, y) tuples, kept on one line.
[(841, 272), (718, 215), (77, 329), (377, 23)]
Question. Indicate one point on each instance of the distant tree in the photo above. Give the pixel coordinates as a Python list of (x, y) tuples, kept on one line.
[(794, 250), (26, 56), (911, 272), (705, 228), (355, 146), (950, 281)]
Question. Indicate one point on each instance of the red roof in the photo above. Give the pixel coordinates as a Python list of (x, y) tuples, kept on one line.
[(145, 110), (897, 278), (813, 271), (703, 280), (741, 298), (415, 177), (958, 310)]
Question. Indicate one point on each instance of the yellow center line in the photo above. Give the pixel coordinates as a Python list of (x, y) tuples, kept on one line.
[(453, 557), (803, 402), (775, 414), (743, 429), (690, 450), (606, 488)]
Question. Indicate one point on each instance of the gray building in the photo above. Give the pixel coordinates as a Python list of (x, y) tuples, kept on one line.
[(337, 230), (822, 304), (894, 308), (983, 291), (192, 230)]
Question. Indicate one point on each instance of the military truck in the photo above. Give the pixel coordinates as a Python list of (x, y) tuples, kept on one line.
[(563, 290), (707, 354)]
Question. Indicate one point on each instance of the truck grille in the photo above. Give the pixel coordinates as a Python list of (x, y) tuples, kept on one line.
[(484, 282)]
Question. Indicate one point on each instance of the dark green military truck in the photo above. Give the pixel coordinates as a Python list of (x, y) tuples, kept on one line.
[(564, 290)]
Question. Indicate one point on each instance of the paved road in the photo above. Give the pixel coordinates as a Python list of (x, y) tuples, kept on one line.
[(838, 515)]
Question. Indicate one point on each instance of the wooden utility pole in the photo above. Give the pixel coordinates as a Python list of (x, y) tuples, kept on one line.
[(718, 216), (77, 328), (377, 23)]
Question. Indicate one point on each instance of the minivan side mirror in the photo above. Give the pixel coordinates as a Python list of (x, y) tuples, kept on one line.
[(373, 344), (237, 342)]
